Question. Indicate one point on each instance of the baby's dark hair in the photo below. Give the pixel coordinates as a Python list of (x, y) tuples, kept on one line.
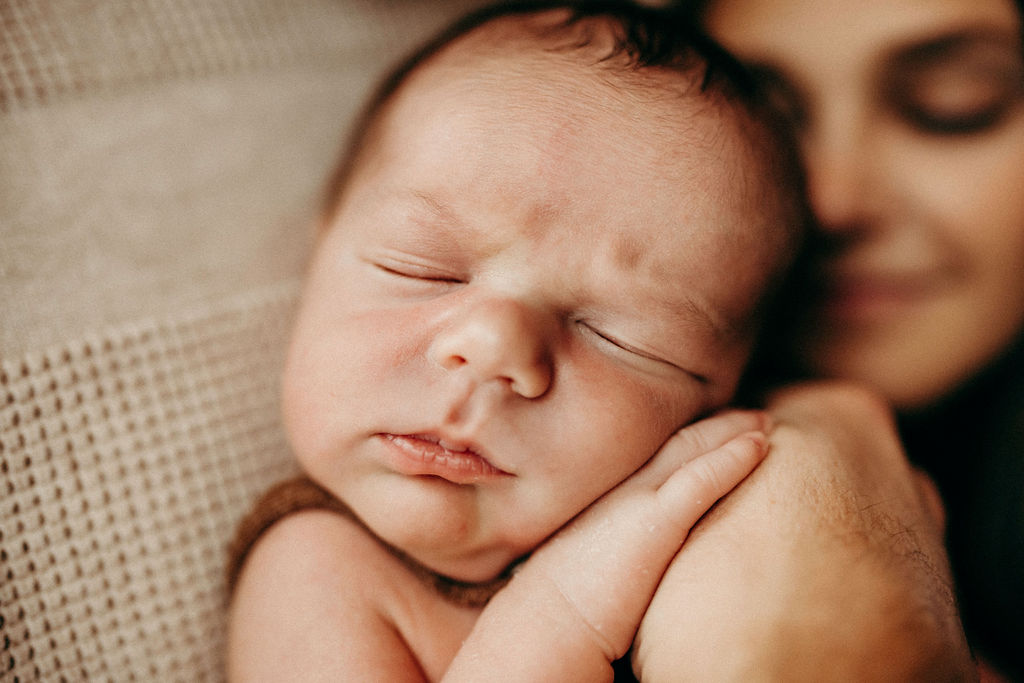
[(645, 39)]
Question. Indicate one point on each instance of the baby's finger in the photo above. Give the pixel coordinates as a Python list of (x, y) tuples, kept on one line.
[(691, 491), (704, 436), (608, 562)]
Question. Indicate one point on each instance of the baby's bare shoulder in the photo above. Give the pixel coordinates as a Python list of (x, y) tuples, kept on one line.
[(312, 539), (315, 589)]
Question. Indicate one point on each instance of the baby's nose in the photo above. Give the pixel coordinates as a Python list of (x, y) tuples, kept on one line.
[(500, 339)]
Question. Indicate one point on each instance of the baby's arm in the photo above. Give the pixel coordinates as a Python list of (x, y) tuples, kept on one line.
[(575, 605)]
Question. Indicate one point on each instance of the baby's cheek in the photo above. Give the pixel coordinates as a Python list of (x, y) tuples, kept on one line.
[(310, 388), (299, 408)]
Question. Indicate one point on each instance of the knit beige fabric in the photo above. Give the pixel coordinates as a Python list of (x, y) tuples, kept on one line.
[(160, 153), (160, 164), (127, 458)]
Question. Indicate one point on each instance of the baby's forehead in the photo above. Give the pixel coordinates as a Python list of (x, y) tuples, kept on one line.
[(509, 65), (715, 140)]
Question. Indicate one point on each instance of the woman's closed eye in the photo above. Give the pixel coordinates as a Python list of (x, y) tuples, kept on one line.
[(957, 86), (957, 107)]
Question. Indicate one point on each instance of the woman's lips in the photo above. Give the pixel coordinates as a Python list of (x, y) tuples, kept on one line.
[(430, 455), (870, 298)]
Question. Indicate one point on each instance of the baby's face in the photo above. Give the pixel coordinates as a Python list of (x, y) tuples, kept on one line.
[(530, 285)]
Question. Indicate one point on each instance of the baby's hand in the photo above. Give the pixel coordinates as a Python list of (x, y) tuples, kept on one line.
[(586, 589), (607, 563)]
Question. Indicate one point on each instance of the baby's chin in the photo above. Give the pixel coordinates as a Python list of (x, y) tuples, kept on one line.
[(443, 533)]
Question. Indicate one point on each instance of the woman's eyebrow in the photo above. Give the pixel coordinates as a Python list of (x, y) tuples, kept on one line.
[(951, 47)]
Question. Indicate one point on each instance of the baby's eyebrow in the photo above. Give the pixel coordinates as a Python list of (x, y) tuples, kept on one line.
[(434, 225), (438, 210), (441, 213), (722, 328)]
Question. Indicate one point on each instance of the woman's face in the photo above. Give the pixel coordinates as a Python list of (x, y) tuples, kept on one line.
[(910, 114)]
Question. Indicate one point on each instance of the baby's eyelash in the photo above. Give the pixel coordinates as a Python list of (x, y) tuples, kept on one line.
[(634, 351), (619, 344), (414, 272), (612, 340)]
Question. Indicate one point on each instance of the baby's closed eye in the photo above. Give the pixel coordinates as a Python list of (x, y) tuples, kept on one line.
[(416, 271), (631, 351)]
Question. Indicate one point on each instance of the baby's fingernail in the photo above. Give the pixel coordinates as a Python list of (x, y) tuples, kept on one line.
[(760, 439), (760, 443)]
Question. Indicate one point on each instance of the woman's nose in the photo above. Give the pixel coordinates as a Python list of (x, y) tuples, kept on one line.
[(842, 182), (502, 340)]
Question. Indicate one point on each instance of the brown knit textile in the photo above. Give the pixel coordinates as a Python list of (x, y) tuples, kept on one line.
[(301, 493)]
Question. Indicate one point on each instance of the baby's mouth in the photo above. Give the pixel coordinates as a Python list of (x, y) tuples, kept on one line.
[(434, 456)]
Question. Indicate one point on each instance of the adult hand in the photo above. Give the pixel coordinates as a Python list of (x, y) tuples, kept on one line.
[(827, 563)]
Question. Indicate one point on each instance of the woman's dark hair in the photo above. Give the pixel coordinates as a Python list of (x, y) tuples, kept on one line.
[(647, 37)]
